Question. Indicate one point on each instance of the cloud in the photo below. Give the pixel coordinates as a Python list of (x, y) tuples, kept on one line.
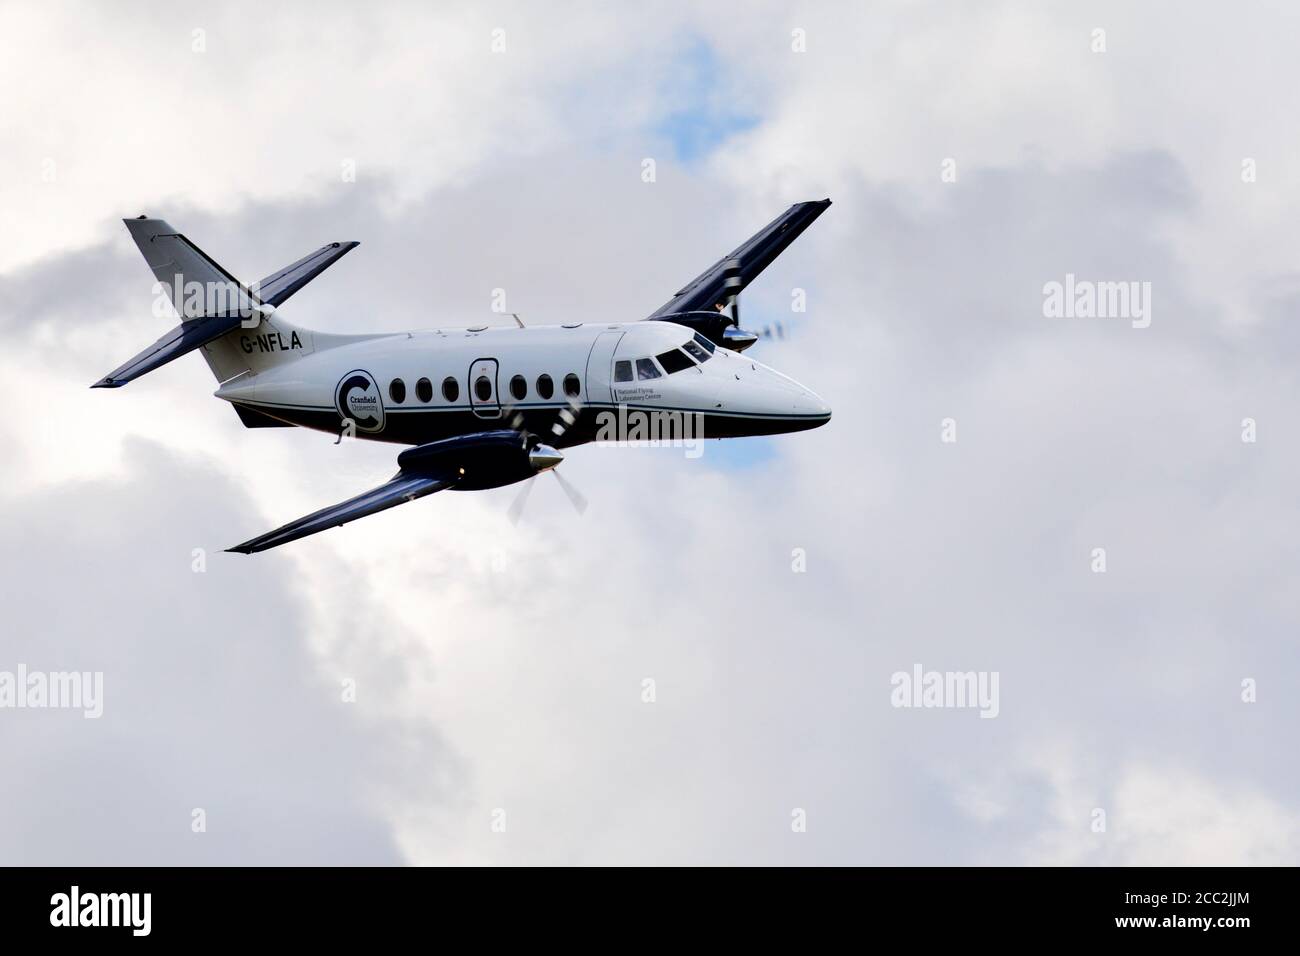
[(1161, 815), (212, 696), (181, 104)]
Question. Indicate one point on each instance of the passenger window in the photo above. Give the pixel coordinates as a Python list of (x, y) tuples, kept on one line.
[(545, 387), (704, 343), (518, 388), (696, 351), (397, 390), (483, 388), (623, 371), (572, 385), (450, 389), (674, 360), (424, 391), (645, 368)]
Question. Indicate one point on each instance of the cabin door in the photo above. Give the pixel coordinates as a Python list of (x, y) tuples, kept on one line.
[(600, 368), (483, 396)]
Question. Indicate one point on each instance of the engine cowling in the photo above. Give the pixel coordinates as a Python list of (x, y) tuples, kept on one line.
[(714, 326), (483, 460)]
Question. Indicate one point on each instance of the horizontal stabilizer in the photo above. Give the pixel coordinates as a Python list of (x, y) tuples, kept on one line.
[(278, 286), (403, 487), (186, 337)]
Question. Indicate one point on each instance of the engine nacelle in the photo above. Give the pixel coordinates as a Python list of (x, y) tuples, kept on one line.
[(714, 326), (486, 460)]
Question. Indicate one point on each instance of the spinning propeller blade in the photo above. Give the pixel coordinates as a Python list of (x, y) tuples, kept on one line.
[(517, 506), (545, 458), (576, 497)]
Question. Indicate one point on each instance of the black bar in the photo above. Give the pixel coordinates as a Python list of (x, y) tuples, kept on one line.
[(439, 906)]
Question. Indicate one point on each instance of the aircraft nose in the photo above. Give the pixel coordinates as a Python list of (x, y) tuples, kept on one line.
[(814, 406), (778, 398)]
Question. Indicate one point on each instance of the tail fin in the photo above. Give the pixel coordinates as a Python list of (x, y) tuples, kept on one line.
[(196, 285), (235, 325)]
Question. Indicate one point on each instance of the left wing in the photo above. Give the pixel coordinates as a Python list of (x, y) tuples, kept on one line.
[(403, 487), (485, 459)]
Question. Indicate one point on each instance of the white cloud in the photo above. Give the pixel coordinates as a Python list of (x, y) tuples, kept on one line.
[(1161, 815), (123, 112)]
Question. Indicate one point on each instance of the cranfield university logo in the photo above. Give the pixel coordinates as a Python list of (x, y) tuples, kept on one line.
[(1085, 299), (21, 689), (972, 690), (650, 428), (358, 400)]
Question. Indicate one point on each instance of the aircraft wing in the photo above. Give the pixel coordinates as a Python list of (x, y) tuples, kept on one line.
[(403, 487), (492, 458), (710, 289)]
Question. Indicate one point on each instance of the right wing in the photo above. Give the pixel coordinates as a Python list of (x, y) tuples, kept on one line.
[(711, 288), (403, 487)]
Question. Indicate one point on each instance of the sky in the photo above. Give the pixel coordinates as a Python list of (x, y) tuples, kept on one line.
[(436, 685)]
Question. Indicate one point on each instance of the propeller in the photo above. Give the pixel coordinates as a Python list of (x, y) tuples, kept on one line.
[(545, 458), (734, 337), (731, 287), (576, 497)]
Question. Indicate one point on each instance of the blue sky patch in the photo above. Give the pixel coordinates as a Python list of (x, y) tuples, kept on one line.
[(706, 117)]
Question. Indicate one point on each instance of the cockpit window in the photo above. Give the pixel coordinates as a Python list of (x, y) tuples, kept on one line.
[(695, 350), (704, 343), (623, 371), (674, 360), (645, 368)]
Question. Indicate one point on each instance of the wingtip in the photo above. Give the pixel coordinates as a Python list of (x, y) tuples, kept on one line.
[(106, 382), (239, 549)]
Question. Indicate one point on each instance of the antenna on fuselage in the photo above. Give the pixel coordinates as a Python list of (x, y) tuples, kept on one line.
[(518, 321)]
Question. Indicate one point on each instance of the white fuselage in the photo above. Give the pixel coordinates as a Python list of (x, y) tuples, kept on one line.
[(416, 387)]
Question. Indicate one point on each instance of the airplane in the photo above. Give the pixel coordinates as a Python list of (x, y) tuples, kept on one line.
[(480, 407)]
